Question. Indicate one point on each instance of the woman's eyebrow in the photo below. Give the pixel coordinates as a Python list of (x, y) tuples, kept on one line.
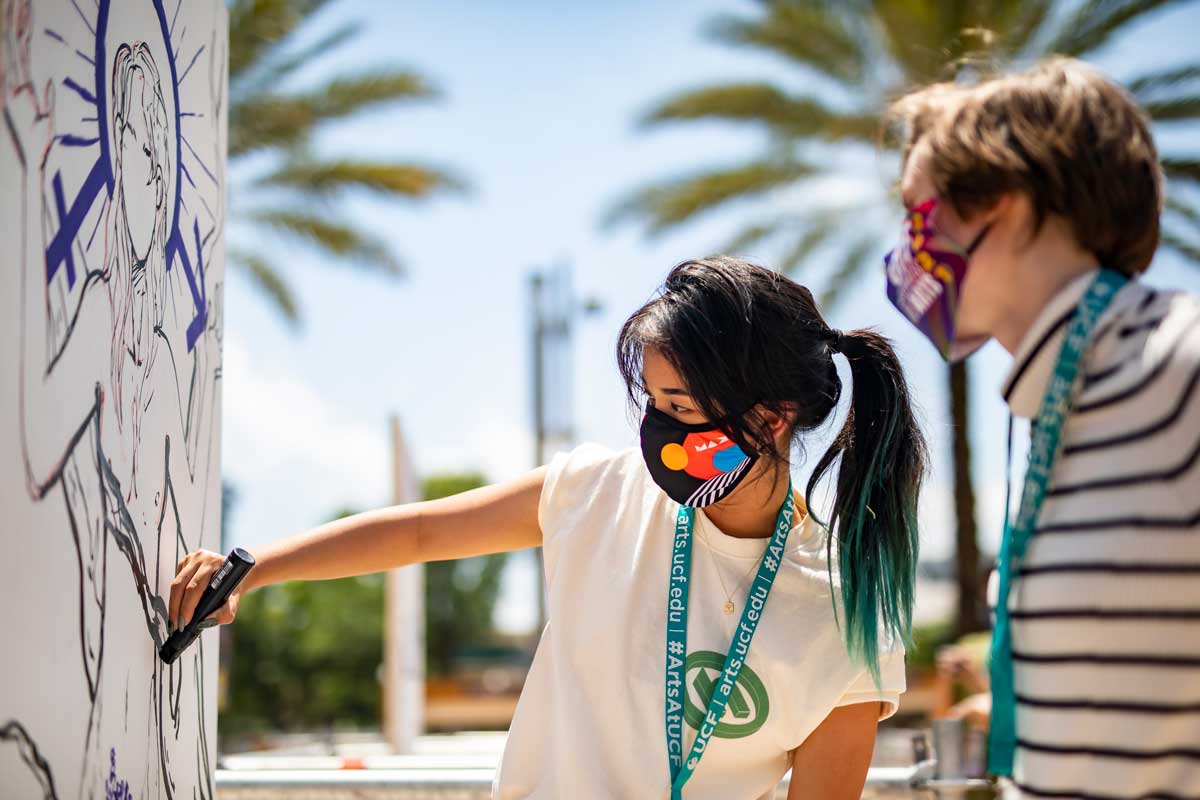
[(671, 391)]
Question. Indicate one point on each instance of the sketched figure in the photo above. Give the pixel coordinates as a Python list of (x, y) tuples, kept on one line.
[(135, 268), (93, 466), (96, 500)]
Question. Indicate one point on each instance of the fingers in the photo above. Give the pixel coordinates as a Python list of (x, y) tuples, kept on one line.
[(184, 571), (192, 575), (194, 588)]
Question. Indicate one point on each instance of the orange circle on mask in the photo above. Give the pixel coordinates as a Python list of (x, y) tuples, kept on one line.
[(674, 456)]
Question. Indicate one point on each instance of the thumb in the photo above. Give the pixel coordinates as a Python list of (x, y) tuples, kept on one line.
[(226, 613)]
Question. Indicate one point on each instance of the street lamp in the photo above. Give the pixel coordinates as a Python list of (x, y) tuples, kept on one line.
[(553, 309)]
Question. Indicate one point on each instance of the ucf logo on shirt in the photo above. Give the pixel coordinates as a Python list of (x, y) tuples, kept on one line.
[(748, 705)]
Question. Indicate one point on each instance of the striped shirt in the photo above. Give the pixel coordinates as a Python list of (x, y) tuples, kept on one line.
[(1105, 606)]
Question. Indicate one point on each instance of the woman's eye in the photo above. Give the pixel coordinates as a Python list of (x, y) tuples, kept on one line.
[(680, 409)]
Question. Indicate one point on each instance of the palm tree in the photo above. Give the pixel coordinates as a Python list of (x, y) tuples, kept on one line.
[(851, 58), (280, 186)]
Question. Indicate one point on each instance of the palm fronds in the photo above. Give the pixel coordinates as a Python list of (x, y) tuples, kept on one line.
[(257, 27), (266, 278), (335, 238), (809, 34), (670, 203), (273, 121), (817, 234), (766, 105), (284, 120), (1094, 23), (848, 270), (323, 178)]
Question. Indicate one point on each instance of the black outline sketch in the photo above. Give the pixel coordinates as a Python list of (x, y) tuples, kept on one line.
[(148, 266), (35, 762)]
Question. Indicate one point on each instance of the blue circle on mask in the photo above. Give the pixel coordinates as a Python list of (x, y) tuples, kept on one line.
[(728, 458)]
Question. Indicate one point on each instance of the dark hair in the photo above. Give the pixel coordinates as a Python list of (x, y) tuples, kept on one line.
[(745, 338)]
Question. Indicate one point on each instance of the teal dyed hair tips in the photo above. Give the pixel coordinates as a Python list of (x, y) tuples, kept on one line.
[(882, 460)]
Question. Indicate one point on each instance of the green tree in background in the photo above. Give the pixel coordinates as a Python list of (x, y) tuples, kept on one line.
[(306, 655), (851, 58), (460, 596), (280, 185)]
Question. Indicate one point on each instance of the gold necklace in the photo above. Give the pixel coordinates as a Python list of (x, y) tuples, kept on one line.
[(729, 608)]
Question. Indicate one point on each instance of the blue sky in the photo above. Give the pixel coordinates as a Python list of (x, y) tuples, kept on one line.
[(538, 114)]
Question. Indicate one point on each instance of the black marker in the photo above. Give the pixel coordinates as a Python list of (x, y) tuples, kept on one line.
[(223, 582)]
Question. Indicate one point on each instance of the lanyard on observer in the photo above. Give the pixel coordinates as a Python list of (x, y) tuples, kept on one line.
[(677, 616), (1043, 448)]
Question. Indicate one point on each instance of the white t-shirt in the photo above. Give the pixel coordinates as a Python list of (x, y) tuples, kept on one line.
[(590, 720)]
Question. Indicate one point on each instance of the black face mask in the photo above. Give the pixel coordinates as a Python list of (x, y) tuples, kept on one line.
[(696, 465)]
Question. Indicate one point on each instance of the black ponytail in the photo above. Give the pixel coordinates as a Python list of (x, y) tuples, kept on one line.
[(883, 461)]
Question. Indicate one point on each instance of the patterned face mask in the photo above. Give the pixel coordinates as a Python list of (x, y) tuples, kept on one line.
[(696, 465), (925, 273)]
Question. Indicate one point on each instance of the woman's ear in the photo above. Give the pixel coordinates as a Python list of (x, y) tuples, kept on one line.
[(779, 424)]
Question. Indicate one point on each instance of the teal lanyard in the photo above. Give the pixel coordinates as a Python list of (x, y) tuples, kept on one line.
[(1043, 449), (677, 619)]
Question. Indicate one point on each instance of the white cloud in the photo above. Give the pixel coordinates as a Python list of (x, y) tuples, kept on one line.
[(291, 455)]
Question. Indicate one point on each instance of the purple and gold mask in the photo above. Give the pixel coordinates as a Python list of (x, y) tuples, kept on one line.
[(925, 273)]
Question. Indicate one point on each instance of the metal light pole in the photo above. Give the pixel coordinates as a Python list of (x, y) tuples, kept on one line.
[(553, 307)]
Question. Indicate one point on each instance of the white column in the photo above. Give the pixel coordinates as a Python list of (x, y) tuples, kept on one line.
[(404, 623)]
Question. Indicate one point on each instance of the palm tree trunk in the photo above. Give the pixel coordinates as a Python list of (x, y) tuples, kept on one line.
[(970, 616)]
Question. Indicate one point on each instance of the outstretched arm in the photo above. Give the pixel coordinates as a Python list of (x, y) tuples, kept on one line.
[(490, 519)]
